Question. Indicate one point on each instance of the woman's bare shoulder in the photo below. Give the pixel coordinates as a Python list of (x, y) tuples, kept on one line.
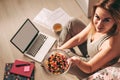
[(113, 43)]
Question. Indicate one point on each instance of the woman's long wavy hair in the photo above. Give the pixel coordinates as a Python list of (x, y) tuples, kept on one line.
[(113, 7)]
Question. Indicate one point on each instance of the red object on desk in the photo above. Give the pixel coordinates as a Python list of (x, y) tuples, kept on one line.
[(19, 68)]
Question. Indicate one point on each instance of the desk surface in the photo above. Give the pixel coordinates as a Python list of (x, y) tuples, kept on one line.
[(13, 14)]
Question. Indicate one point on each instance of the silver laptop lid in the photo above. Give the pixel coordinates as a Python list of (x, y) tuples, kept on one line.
[(25, 36)]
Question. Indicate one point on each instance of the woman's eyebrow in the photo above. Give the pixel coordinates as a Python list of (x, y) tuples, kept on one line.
[(96, 14), (108, 18), (104, 18)]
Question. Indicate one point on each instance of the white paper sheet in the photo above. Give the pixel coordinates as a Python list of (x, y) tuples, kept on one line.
[(49, 18), (42, 16)]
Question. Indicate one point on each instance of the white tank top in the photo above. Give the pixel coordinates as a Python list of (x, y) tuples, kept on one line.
[(93, 47)]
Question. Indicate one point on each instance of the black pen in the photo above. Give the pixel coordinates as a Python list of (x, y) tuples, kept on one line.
[(19, 65)]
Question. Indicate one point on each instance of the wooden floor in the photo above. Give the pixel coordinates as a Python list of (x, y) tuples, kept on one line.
[(14, 12)]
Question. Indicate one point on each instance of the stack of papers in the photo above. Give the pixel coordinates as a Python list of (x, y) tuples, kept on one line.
[(48, 18)]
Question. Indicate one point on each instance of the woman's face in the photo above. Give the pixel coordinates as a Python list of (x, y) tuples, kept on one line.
[(102, 20)]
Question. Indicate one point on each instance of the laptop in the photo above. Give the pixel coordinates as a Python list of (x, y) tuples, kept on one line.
[(31, 42)]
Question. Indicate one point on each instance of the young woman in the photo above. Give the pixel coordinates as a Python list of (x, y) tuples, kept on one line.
[(102, 36)]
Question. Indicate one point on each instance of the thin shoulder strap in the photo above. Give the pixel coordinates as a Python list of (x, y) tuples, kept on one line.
[(104, 38)]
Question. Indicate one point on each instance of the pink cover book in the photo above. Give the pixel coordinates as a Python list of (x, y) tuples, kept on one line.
[(22, 68)]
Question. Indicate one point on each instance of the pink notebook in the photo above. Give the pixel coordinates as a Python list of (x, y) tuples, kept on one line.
[(22, 68)]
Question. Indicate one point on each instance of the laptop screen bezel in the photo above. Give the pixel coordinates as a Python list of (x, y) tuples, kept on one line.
[(18, 32)]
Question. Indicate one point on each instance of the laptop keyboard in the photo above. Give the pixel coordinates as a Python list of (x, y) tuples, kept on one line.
[(37, 45)]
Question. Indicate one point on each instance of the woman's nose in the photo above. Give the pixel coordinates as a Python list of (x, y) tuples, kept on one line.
[(100, 23)]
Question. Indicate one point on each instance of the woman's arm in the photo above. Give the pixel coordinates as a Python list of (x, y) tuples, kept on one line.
[(109, 50), (78, 39)]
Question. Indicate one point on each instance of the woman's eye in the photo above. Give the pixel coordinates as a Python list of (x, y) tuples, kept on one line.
[(97, 17), (106, 20)]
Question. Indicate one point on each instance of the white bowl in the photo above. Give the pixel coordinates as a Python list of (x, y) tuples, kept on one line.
[(56, 62)]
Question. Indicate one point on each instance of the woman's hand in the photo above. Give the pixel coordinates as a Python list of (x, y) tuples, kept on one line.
[(75, 59)]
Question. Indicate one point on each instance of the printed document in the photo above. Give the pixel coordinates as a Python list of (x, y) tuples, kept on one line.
[(48, 18)]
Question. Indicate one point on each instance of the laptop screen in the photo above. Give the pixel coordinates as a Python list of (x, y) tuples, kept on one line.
[(24, 36)]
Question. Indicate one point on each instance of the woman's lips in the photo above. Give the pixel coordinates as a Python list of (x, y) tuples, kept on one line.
[(100, 29)]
